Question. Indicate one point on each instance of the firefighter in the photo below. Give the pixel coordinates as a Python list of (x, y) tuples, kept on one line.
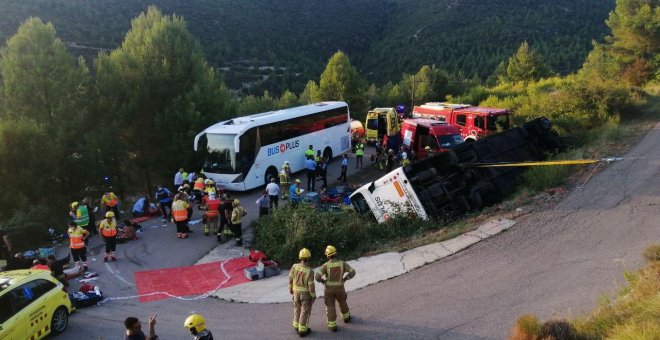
[(198, 189), (333, 274), (285, 180), (180, 215), (211, 216), (108, 229), (301, 286), (77, 237), (196, 325), (236, 215), (429, 152)]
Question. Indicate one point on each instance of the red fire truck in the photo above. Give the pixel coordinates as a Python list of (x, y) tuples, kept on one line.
[(419, 133), (473, 121)]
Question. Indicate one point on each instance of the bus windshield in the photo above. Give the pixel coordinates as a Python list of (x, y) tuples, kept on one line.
[(220, 153)]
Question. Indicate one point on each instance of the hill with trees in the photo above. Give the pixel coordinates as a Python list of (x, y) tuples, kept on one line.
[(276, 45)]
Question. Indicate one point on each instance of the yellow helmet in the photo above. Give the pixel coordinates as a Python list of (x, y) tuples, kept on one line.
[(74, 204), (109, 214), (237, 202), (304, 254), (330, 250), (195, 323), (427, 148)]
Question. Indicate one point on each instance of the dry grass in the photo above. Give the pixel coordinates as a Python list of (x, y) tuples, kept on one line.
[(633, 314)]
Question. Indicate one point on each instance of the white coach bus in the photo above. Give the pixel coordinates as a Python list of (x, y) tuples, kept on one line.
[(244, 152)]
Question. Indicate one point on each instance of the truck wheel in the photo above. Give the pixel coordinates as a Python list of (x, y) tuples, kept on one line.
[(327, 154), (271, 172)]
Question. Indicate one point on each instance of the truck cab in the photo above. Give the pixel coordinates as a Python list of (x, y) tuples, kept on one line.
[(474, 122), (418, 133), (382, 123)]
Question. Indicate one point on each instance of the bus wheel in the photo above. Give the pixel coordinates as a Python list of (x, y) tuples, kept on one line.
[(327, 154), (271, 172)]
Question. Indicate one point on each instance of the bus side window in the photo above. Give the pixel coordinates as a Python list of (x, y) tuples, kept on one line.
[(460, 120)]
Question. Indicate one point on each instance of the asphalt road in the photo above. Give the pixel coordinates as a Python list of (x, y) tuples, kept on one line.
[(551, 263)]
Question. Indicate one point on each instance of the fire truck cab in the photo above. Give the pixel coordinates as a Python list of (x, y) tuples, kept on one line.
[(473, 121), (419, 133)]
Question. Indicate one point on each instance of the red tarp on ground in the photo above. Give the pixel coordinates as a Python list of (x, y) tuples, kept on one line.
[(193, 280)]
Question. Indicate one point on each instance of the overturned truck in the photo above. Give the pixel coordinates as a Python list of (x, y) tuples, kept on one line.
[(458, 181)]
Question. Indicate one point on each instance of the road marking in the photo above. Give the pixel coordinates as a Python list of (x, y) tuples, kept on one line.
[(199, 297), (116, 274)]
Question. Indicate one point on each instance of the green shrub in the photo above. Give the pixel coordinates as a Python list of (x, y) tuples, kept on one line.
[(538, 178), (283, 233)]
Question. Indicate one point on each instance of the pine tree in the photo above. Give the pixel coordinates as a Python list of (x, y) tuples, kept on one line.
[(526, 65), (158, 91)]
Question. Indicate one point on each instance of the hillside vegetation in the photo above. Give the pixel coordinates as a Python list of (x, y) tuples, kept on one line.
[(279, 45)]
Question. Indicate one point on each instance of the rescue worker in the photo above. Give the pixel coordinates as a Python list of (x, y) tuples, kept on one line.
[(309, 152), (196, 325), (110, 201), (390, 160), (333, 274), (263, 203), (77, 237), (359, 154), (344, 168), (429, 152), (273, 191), (87, 201), (236, 215), (164, 197), (318, 159), (82, 216), (210, 187), (294, 193), (285, 180), (301, 286), (310, 165), (226, 209), (210, 218), (180, 215), (108, 229), (178, 179), (324, 171), (198, 189)]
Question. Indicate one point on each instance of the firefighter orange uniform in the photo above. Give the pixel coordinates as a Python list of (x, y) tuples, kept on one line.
[(108, 229), (211, 216), (332, 276), (77, 236), (301, 286), (180, 216)]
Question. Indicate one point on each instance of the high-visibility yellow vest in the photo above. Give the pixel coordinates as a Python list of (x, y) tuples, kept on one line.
[(77, 237), (108, 229), (359, 150), (180, 210), (110, 199)]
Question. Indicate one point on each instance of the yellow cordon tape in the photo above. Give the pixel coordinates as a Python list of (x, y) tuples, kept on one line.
[(567, 162)]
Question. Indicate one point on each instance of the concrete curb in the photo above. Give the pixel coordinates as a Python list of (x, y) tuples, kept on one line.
[(370, 270)]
